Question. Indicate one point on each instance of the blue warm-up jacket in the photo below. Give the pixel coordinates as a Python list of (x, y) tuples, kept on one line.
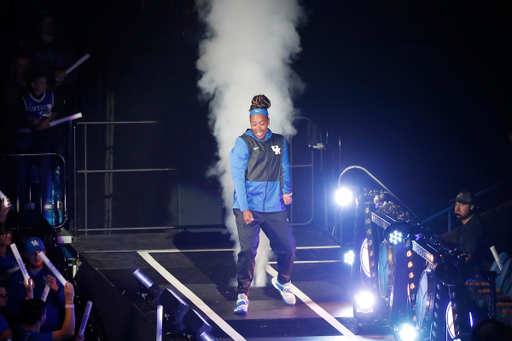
[(260, 170)]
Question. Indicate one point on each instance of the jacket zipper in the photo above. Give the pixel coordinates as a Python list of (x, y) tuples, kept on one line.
[(266, 175)]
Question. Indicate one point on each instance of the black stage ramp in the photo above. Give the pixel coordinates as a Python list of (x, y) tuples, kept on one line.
[(200, 268)]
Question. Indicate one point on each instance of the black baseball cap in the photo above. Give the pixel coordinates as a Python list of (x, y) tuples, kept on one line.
[(464, 197)]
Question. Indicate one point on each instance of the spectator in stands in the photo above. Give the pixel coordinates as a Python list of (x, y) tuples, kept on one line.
[(7, 260), (39, 112), (471, 236), (39, 104), (41, 277), (49, 53), (11, 114), (35, 317), (5, 331), (37, 138), (491, 329)]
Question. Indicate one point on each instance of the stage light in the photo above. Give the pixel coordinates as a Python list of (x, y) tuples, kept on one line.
[(343, 196), (182, 317), (451, 317), (407, 332), (198, 326), (154, 290), (349, 257), (395, 237), (364, 256), (364, 301), (143, 279), (450, 320), (175, 307), (396, 232)]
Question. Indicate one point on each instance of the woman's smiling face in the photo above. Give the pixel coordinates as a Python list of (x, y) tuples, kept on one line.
[(259, 125)]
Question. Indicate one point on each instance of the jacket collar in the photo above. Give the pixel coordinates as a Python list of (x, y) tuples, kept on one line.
[(251, 134)]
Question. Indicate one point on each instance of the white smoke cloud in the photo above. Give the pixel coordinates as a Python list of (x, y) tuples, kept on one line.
[(247, 50)]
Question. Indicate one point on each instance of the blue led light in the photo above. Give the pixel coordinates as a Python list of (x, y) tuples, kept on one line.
[(407, 332), (395, 237), (349, 257)]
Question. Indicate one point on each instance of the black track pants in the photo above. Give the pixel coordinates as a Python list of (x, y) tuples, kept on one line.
[(277, 228)]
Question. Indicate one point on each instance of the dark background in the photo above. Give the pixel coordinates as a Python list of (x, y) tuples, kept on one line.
[(418, 93)]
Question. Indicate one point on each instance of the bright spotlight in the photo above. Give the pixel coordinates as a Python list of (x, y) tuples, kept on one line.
[(396, 232), (406, 332), (365, 301), (395, 237), (349, 257), (343, 196)]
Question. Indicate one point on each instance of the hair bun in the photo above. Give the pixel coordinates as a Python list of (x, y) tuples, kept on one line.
[(260, 101)]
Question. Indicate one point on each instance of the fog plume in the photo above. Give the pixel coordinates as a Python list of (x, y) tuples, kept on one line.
[(247, 49)]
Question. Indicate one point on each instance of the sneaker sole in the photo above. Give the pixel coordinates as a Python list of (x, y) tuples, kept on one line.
[(240, 312), (274, 283)]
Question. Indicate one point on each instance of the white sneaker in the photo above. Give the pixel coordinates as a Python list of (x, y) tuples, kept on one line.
[(242, 304), (285, 290)]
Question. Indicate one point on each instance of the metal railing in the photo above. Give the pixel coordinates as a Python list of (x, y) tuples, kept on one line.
[(310, 165), (85, 171), (41, 206)]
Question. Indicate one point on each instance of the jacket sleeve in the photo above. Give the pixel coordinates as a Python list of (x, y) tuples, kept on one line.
[(238, 159), (285, 163)]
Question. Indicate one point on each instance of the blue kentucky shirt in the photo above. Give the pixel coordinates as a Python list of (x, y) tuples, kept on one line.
[(39, 108)]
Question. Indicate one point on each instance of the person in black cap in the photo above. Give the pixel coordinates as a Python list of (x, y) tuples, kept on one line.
[(471, 237), (41, 276)]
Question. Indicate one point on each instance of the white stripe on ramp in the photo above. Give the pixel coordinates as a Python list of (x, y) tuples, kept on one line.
[(317, 309), (192, 297)]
